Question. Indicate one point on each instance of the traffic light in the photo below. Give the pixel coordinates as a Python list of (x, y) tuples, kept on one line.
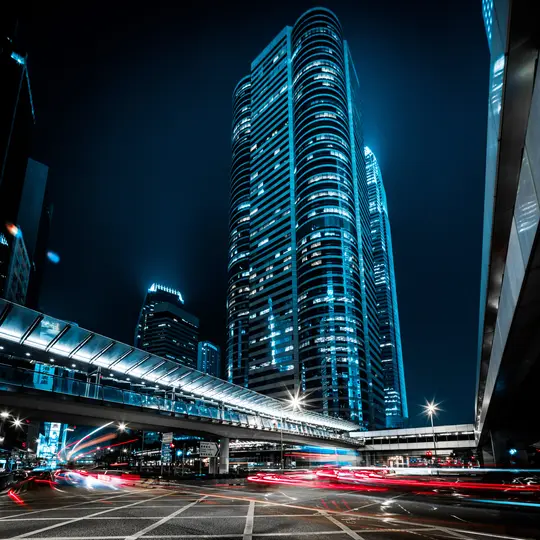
[(172, 445), (512, 451)]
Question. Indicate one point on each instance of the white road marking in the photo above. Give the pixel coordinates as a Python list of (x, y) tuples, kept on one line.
[(248, 529), (342, 526), (63, 507), (464, 520), (75, 520), (163, 520), (404, 509), (421, 526)]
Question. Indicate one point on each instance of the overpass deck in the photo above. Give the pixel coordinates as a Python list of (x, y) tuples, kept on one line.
[(164, 385)]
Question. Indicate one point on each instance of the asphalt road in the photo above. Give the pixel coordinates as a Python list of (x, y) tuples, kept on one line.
[(251, 513)]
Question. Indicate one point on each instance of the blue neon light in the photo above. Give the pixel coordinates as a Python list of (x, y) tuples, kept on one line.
[(510, 503), (53, 257), (18, 58), (157, 287)]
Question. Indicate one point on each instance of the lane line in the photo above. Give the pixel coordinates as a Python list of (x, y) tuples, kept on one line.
[(248, 529), (342, 526), (65, 506), (464, 520), (449, 530), (128, 518), (377, 501), (163, 520), (75, 520)]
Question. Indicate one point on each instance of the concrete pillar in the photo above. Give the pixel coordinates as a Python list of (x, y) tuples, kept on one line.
[(224, 455)]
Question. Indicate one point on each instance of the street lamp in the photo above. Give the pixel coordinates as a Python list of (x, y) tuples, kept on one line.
[(17, 422), (4, 415), (295, 402), (430, 409), (122, 426)]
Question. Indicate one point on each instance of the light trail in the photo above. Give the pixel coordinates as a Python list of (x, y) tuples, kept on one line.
[(89, 435)]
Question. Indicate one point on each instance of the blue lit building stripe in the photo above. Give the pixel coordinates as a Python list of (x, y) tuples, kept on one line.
[(387, 308)]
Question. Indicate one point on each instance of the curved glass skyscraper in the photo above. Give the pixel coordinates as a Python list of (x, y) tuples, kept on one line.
[(395, 393), (302, 299)]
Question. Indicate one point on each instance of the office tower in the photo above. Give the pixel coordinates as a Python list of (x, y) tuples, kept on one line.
[(302, 313), (40, 259), (16, 123), (209, 358), (395, 394), (34, 218), (18, 273), (165, 328)]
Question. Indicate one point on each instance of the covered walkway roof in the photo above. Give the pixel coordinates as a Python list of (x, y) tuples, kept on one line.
[(37, 330)]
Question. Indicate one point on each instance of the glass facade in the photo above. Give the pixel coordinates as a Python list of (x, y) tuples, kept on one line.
[(165, 328), (302, 303), (209, 358), (511, 204), (395, 394)]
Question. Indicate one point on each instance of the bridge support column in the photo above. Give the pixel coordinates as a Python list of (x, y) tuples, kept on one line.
[(224, 455)]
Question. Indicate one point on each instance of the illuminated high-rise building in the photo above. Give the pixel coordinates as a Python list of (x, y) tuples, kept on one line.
[(165, 328), (302, 309), (395, 394), (209, 358)]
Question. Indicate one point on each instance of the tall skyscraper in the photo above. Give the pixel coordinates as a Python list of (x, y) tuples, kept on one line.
[(209, 358), (165, 328), (302, 310), (395, 394), (16, 124)]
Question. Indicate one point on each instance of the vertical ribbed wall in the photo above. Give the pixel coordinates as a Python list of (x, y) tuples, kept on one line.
[(329, 289), (238, 262)]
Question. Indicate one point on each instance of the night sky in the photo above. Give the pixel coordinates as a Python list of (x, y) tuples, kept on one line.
[(133, 108)]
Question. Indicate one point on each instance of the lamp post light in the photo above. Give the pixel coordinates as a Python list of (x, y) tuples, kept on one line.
[(294, 403), (430, 409)]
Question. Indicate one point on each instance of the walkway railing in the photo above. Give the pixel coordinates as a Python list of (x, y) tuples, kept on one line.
[(12, 378)]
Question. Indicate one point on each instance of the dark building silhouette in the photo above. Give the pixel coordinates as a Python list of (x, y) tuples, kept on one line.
[(165, 328), (25, 211)]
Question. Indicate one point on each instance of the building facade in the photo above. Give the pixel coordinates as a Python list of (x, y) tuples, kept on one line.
[(16, 126), (209, 358), (395, 393), (302, 308), (509, 342), (165, 328)]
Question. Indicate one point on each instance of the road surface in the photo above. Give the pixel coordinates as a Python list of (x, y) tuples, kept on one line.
[(251, 513)]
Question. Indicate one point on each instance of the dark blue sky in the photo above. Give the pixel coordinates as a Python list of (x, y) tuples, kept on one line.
[(134, 110)]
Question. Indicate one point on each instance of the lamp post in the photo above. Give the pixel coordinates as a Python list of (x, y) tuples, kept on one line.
[(430, 409), (294, 403)]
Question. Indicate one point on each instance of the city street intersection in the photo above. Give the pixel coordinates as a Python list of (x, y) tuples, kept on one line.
[(248, 513)]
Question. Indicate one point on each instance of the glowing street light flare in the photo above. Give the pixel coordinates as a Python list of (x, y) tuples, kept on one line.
[(13, 229), (4, 414), (17, 422), (122, 426), (431, 408), (53, 257)]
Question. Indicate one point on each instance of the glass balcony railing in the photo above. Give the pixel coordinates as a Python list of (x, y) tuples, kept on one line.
[(12, 378)]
